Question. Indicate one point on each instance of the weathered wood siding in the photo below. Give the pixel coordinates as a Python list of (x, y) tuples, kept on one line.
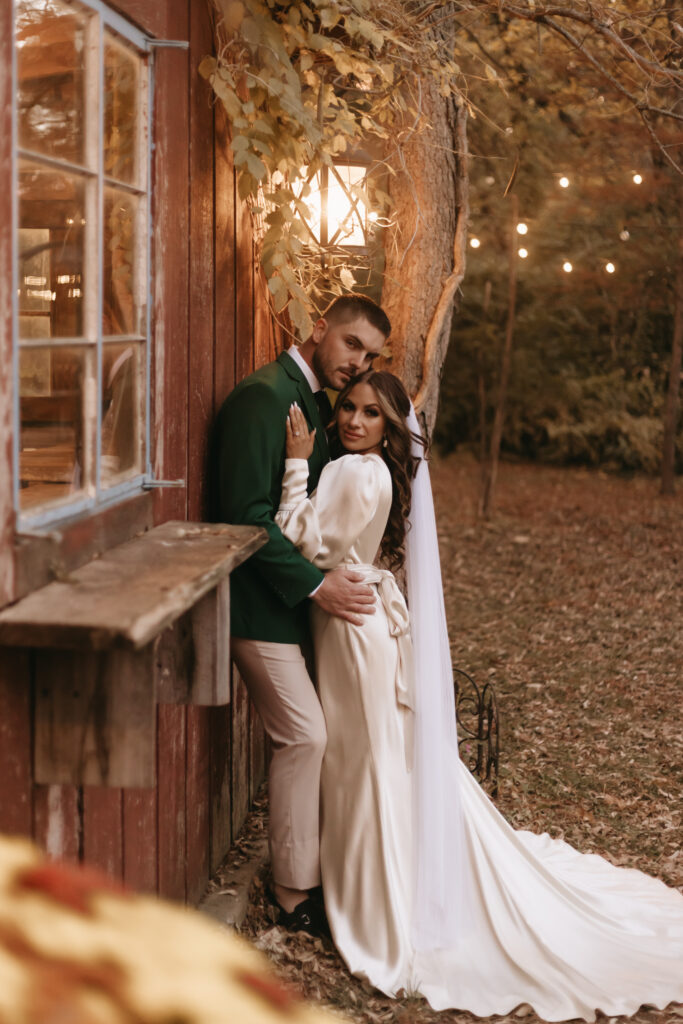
[(211, 327), (6, 289)]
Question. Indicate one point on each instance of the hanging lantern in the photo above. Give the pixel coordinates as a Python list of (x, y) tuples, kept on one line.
[(339, 204)]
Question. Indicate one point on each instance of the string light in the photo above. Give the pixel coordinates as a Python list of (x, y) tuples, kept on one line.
[(564, 182), (567, 267), (523, 253), (475, 243), (637, 179), (610, 268), (624, 235), (522, 228)]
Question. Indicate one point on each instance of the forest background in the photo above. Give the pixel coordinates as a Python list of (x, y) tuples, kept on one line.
[(600, 212)]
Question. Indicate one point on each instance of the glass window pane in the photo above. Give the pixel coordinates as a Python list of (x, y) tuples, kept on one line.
[(51, 253), (122, 411), (53, 438), (121, 92), (123, 305), (51, 78), (346, 221)]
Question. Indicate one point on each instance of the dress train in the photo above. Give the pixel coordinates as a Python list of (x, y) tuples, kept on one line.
[(567, 933)]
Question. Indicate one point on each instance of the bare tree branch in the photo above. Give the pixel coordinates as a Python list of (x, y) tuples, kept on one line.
[(594, 24)]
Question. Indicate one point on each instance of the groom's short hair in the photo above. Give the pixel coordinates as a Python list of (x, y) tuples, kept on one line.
[(352, 306)]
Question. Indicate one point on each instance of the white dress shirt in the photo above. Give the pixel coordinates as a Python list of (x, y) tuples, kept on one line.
[(314, 385), (311, 378)]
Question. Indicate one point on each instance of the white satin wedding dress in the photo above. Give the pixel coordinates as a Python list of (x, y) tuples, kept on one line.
[(566, 932)]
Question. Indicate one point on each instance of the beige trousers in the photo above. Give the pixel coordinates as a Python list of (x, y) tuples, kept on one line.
[(280, 686)]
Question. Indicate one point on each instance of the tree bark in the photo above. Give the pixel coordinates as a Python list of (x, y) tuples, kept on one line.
[(425, 254), (491, 473), (671, 407)]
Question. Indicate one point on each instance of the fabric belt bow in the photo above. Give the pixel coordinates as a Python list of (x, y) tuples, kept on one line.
[(399, 627)]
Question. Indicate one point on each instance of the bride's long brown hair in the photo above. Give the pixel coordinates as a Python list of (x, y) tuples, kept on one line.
[(394, 403)]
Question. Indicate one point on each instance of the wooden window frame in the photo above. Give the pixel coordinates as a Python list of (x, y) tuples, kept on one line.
[(45, 518)]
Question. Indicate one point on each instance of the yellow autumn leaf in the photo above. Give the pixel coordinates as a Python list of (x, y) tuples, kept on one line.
[(233, 14), (300, 318), (347, 278)]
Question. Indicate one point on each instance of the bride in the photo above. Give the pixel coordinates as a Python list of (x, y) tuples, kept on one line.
[(427, 888)]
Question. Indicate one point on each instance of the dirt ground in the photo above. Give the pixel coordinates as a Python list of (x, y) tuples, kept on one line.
[(570, 601)]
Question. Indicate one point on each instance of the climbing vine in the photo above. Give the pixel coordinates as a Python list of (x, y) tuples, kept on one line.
[(306, 86)]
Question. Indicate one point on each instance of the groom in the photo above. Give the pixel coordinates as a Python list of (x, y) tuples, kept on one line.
[(270, 593)]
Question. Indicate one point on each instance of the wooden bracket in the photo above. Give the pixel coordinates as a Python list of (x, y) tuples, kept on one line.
[(192, 660)]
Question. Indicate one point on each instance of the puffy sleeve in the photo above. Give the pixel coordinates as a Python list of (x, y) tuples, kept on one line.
[(325, 526)]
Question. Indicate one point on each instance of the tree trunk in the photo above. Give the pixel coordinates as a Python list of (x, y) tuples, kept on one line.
[(425, 255), (491, 473), (671, 407)]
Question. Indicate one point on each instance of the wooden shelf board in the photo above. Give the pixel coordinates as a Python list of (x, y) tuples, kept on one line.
[(129, 595)]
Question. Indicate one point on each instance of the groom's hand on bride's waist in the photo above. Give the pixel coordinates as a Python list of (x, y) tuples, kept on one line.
[(344, 594)]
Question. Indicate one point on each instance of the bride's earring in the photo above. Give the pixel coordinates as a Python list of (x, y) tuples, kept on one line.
[(384, 443)]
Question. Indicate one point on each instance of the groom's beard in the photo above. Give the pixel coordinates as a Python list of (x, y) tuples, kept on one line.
[(334, 377)]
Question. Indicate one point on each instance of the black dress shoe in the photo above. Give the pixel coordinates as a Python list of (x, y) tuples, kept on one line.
[(307, 916), (316, 895)]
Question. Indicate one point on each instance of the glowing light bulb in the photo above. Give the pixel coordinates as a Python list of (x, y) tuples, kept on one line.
[(523, 253), (564, 182), (522, 228), (624, 235), (637, 179), (610, 268), (475, 243), (567, 267)]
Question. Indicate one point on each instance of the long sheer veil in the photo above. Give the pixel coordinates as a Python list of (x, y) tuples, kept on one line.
[(441, 895)]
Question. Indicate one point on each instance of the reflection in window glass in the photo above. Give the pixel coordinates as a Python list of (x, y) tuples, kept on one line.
[(51, 253), (51, 76), (81, 255), (122, 312), (121, 90), (121, 412), (52, 460)]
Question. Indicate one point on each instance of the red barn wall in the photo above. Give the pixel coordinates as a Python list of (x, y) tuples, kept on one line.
[(210, 328)]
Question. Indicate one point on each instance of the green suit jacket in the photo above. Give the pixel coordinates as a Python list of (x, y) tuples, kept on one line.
[(268, 592)]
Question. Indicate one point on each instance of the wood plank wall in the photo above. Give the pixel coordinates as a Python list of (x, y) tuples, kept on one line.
[(6, 289), (211, 327)]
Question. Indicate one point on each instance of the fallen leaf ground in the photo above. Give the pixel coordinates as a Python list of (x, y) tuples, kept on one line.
[(570, 601)]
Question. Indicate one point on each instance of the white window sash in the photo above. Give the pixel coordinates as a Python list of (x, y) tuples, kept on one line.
[(70, 507)]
